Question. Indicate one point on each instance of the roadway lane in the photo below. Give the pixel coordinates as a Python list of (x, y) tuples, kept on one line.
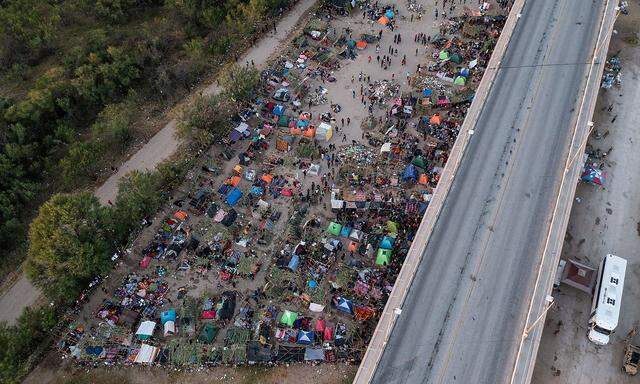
[(462, 318)]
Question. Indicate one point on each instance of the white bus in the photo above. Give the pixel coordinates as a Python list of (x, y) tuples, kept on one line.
[(607, 299)]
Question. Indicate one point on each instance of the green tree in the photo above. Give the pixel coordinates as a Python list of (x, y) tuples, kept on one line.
[(240, 83), (208, 119), (67, 245), (81, 163)]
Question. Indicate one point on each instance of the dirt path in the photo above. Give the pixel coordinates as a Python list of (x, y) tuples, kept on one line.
[(161, 146)]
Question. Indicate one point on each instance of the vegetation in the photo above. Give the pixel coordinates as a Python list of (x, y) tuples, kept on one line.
[(78, 76)]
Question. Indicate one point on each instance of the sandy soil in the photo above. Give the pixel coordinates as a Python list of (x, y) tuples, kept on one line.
[(21, 294), (602, 221)]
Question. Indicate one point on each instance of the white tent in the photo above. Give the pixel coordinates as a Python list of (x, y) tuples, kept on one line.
[(145, 330), (386, 147), (147, 354), (169, 328)]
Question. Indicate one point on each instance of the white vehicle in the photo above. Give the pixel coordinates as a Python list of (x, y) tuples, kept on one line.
[(607, 299)]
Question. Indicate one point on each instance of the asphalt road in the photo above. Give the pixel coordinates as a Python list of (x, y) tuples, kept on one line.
[(463, 316)]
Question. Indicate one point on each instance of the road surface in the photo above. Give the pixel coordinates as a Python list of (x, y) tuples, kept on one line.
[(463, 317)]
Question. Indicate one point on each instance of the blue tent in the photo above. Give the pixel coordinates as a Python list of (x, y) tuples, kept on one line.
[(387, 242), (302, 123), (278, 110), (345, 231), (168, 315), (426, 92), (345, 305), (256, 191), (234, 196), (464, 72), (390, 14), (304, 337), (294, 262), (409, 173)]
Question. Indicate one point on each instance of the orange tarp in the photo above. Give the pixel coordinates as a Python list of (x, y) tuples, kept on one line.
[(267, 178), (353, 246), (180, 215), (310, 132), (435, 119), (423, 179), (361, 44), (234, 180), (383, 20)]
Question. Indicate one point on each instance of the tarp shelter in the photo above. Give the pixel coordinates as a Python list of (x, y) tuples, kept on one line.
[(180, 215), (435, 119), (361, 44), (345, 231), (288, 317), (279, 110), (356, 235), (147, 354), (334, 228), (208, 333), (324, 132), (409, 173), (592, 175), (345, 305), (313, 354), (443, 55), (169, 328), (426, 92), (387, 242), (293, 263), (304, 337), (234, 196), (144, 263), (383, 257), (386, 147), (392, 228), (168, 315), (309, 133), (267, 178), (460, 80), (455, 58), (283, 143), (383, 20), (314, 307), (145, 330), (419, 161), (390, 14)]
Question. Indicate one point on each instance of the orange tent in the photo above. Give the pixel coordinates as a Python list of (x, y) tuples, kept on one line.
[(234, 180), (353, 246), (435, 119), (423, 179), (296, 131), (237, 169), (310, 133), (267, 178), (384, 20), (180, 215), (361, 44)]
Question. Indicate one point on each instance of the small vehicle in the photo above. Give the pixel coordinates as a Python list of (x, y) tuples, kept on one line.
[(631, 359)]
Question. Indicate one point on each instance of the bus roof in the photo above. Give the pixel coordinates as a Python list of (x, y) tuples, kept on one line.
[(610, 292)]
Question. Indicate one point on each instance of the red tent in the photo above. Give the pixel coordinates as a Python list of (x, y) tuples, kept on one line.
[(144, 263)]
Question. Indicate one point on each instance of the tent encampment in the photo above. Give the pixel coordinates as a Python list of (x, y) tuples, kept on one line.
[(345, 305), (147, 354), (304, 337), (288, 317), (234, 196), (383, 257), (334, 228), (145, 330)]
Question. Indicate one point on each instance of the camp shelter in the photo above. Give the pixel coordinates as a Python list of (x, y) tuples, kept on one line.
[(314, 307), (278, 110), (460, 80), (464, 72), (455, 58), (383, 257), (144, 263), (208, 333), (267, 178), (356, 235), (435, 119), (302, 123), (390, 14), (283, 121), (258, 353), (383, 20), (353, 246), (147, 354), (423, 179), (345, 231), (351, 43), (409, 173), (288, 317), (234, 180), (283, 143), (180, 215), (294, 262), (361, 44), (345, 305), (426, 92), (169, 328), (145, 330), (324, 132), (304, 337), (234, 196), (334, 228), (168, 315), (387, 242), (386, 147), (443, 55), (309, 133), (419, 161), (313, 354), (392, 228)]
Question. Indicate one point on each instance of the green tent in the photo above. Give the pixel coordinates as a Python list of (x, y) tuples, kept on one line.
[(456, 58), (444, 55), (288, 318), (392, 228), (383, 257), (208, 333), (418, 161), (460, 80), (334, 228)]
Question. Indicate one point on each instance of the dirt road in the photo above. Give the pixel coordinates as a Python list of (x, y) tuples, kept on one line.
[(22, 293), (602, 221)]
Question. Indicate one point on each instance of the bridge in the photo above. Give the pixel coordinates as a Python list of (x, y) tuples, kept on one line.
[(469, 303)]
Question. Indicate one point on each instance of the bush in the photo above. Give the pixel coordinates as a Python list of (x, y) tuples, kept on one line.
[(207, 120), (67, 245)]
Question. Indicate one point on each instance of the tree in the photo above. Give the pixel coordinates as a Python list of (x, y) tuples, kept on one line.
[(240, 83), (67, 245), (208, 120)]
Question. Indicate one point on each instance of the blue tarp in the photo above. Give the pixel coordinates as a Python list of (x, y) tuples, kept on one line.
[(387, 242), (409, 173), (278, 110), (168, 315), (390, 14), (345, 231), (427, 92), (256, 191), (234, 196), (304, 337), (302, 123), (345, 305), (293, 263)]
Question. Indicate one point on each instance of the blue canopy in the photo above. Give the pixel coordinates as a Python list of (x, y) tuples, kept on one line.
[(168, 315), (345, 305), (302, 123), (426, 92), (390, 14), (464, 72), (294, 262), (234, 196), (256, 191), (409, 173), (304, 337), (345, 231), (278, 110), (387, 242)]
